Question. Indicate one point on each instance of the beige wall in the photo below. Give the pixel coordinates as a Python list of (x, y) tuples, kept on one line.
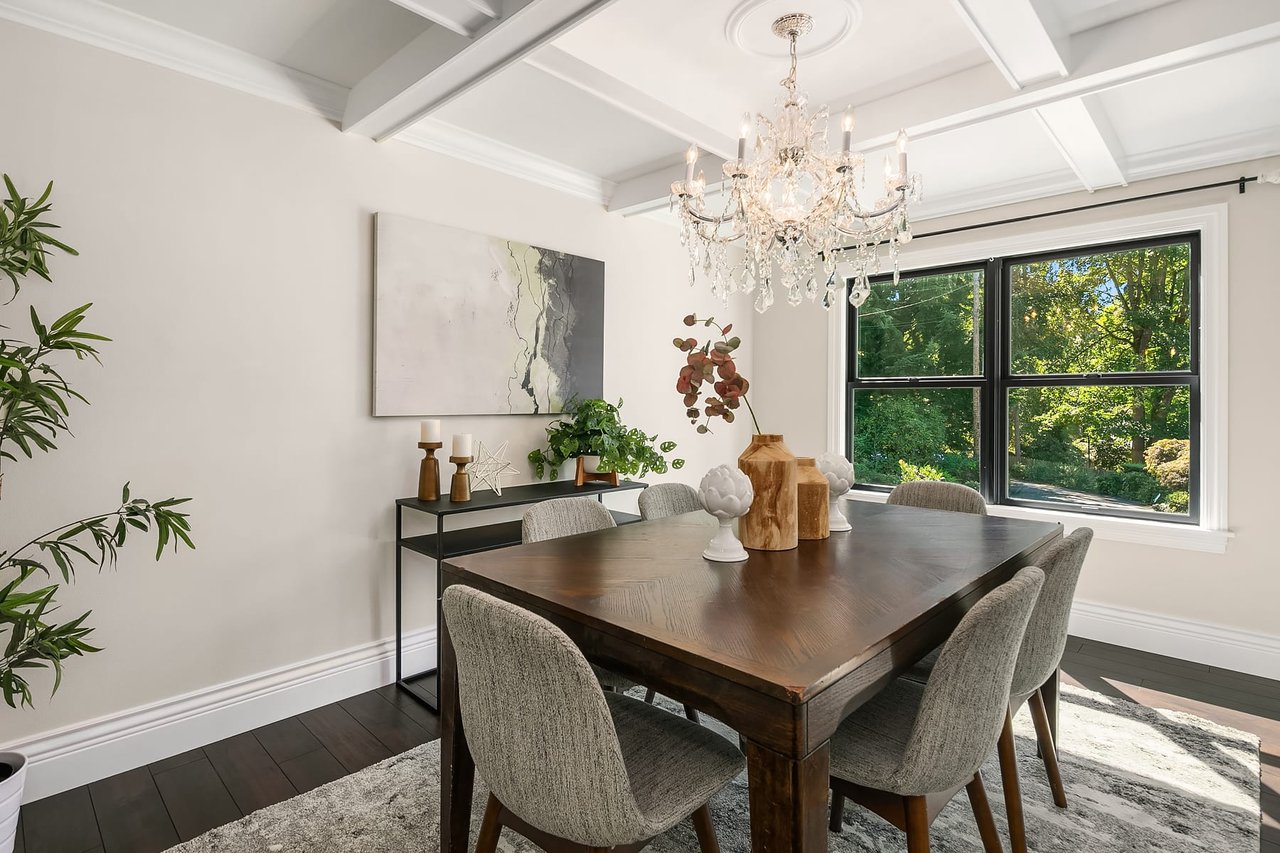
[(1239, 589), (227, 245)]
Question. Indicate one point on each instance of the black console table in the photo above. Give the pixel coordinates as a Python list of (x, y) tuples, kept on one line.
[(444, 544)]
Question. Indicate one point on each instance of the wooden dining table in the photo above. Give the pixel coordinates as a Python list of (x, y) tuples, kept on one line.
[(780, 647)]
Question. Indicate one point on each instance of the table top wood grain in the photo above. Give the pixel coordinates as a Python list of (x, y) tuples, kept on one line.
[(786, 623)]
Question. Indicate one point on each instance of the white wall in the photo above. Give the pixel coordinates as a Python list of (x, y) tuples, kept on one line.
[(1238, 590), (227, 245)]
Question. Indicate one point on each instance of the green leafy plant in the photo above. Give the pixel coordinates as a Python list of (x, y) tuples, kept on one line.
[(594, 428), (34, 406)]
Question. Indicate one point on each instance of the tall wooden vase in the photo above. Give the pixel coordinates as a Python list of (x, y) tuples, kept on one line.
[(770, 524)]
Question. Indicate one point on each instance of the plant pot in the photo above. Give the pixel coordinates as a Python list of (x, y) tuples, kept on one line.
[(11, 796), (812, 498), (770, 524), (592, 465)]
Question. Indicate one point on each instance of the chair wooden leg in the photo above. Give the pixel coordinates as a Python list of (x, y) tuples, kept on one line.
[(982, 814), (648, 695), (917, 814), (706, 830), (837, 812), (1012, 789), (1048, 749), (692, 714), (491, 828)]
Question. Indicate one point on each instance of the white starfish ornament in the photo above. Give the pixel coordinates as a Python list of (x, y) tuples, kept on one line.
[(489, 468)]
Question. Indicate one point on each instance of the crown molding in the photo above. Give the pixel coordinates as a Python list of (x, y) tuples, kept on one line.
[(129, 34), (111, 28), (453, 141)]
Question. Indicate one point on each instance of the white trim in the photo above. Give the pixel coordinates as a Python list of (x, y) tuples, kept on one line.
[(462, 144), (130, 34), (84, 752), (1202, 642), (1212, 534), (1161, 534)]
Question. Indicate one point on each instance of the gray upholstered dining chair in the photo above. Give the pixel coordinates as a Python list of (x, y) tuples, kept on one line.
[(667, 499), (932, 494), (1038, 662), (564, 517), (909, 750), (568, 766)]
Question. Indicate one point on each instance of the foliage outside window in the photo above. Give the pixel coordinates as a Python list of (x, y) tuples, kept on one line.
[(1066, 379)]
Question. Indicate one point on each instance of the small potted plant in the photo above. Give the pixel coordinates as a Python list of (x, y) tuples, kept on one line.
[(592, 429)]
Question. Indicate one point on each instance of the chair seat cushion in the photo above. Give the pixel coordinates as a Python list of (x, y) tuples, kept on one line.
[(868, 749), (674, 765)]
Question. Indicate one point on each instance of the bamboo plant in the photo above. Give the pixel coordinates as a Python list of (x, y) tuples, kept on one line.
[(35, 404)]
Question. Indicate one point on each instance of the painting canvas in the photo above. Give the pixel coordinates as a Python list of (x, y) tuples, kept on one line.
[(467, 324)]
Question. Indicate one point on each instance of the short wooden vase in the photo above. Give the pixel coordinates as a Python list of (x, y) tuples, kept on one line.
[(812, 500), (770, 524)]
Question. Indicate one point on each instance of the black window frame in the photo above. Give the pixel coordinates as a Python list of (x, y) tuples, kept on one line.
[(997, 378)]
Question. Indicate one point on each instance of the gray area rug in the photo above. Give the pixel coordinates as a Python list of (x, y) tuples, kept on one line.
[(1137, 780)]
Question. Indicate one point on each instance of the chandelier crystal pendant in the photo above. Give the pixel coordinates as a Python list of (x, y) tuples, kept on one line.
[(800, 212)]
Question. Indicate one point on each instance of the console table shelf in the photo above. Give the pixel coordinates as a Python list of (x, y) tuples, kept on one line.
[(443, 544)]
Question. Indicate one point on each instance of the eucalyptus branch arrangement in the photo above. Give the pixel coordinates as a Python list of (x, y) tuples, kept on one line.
[(711, 362), (35, 404)]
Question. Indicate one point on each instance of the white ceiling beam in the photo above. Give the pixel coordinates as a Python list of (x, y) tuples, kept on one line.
[(460, 16), (1167, 38), (609, 89), (1023, 38), (652, 190), (440, 65), (1028, 45), (1081, 133)]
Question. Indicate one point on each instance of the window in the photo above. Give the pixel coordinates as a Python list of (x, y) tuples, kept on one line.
[(1062, 380)]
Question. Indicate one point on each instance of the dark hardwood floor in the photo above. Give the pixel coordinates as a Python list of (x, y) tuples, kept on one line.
[(150, 808)]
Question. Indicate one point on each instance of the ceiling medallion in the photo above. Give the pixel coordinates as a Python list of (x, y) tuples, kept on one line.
[(745, 27), (800, 213)]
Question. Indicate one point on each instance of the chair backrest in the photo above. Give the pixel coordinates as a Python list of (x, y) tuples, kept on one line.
[(967, 695), (536, 720), (667, 499), (1046, 638), (932, 494), (564, 517)]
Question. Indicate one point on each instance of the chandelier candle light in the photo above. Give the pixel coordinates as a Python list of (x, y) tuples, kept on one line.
[(800, 211)]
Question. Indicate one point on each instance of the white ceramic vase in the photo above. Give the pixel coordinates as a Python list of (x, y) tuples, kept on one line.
[(839, 473), (11, 798), (726, 494)]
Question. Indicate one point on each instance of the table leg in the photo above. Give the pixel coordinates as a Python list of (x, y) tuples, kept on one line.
[(457, 768), (399, 608), (1050, 692), (788, 800)]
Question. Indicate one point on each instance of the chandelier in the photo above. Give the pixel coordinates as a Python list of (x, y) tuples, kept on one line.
[(799, 211)]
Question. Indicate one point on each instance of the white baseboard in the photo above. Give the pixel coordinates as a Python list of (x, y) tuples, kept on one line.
[(1201, 642), (85, 752)]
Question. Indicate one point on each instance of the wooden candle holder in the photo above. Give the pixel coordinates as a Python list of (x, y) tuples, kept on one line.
[(460, 486), (583, 476), (429, 472)]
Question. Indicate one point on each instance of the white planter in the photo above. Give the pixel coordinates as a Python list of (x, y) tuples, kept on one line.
[(11, 798)]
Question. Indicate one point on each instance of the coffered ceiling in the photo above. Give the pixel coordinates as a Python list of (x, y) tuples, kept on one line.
[(1004, 99)]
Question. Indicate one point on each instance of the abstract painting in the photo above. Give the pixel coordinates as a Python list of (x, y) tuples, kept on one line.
[(467, 324)]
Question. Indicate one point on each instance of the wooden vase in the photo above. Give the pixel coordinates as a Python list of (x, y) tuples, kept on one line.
[(770, 524), (812, 500)]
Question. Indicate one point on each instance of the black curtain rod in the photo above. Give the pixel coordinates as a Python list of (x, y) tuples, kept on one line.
[(1240, 182)]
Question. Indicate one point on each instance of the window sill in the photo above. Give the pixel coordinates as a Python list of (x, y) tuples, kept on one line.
[(1183, 537)]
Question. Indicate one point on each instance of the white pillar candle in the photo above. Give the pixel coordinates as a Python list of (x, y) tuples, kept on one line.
[(902, 153), (430, 432), (690, 160), (462, 444), (847, 141)]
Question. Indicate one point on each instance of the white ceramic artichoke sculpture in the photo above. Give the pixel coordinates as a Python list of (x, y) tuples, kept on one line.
[(727, 494), (839, 474)]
